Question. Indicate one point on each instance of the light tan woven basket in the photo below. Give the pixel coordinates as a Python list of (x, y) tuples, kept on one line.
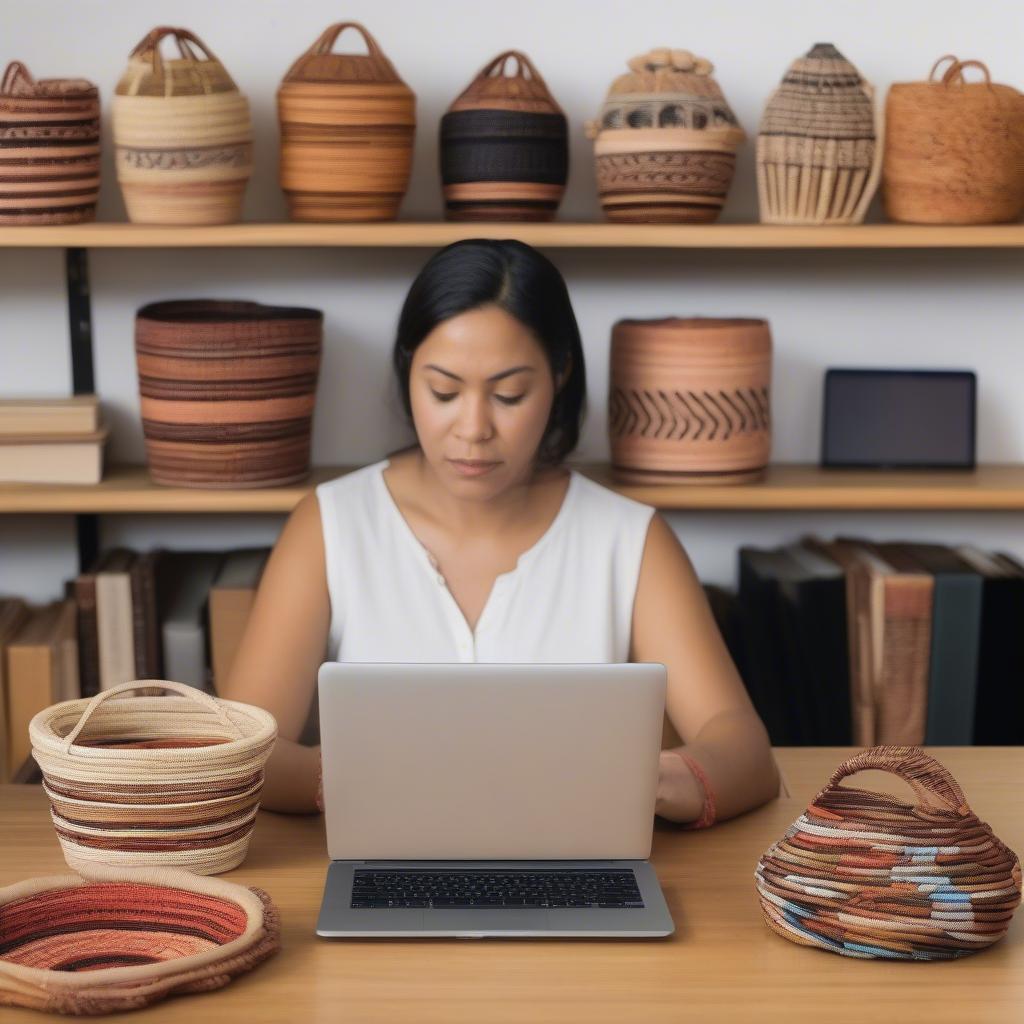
[(183, 135), (169, 781)]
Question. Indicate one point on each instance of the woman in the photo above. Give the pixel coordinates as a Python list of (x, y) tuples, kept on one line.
[(477, 544)]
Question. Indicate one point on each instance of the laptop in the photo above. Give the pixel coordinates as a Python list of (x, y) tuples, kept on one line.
[(491, 800)]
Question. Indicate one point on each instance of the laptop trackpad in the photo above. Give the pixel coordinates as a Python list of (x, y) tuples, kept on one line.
[(506, 921)]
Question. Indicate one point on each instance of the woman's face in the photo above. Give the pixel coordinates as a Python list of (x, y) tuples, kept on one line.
[(481, 391)]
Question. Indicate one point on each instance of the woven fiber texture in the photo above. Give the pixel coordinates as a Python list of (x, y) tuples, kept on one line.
[(347, 127), (869, 875), (504, 146), (227, 391), (665, 141), (49, 149), (183, 135), (119, 939), (819, 152), (169, 781), (954, 149)]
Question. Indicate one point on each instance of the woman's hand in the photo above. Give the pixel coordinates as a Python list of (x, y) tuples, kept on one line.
[(680, 795)]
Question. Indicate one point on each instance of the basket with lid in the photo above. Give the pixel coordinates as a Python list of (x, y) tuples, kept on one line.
[(873, 875), (49, 149), (158, 780), (954, 149), (665, 142), (347, 126), (183, 134), (504, 146)]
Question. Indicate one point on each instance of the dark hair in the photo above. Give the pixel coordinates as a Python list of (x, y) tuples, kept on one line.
[(509, 274)]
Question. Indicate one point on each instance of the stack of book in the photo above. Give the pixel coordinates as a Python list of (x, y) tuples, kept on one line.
[(155, 615), (51, 440), (849, 641)]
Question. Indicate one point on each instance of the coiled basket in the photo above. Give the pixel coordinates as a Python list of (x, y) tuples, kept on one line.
[(869, 875), (168, 781), (122, 938)]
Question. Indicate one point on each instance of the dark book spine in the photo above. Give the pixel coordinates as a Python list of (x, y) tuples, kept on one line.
[(88, 636)]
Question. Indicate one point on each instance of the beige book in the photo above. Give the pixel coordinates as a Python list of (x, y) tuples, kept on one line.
[(54, 459), (42, 669), (77, 414), (115, 626), (231, 600), (13, 614)]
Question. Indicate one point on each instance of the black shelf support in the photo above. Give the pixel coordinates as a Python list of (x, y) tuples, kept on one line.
[(83, 377)]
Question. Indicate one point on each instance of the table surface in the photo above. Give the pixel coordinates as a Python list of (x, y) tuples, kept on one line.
[(722, 964)]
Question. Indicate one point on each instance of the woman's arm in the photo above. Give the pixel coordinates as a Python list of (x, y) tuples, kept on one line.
[(283, 645), (706, 700)]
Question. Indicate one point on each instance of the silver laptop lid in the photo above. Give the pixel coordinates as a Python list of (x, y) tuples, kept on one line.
[(478, 761)]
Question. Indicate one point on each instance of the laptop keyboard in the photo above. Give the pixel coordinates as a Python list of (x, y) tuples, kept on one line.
[(454, 889)]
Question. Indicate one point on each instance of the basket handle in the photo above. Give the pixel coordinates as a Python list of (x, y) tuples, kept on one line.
[(523, 63), (922, 772), (16, 72), (137, 684), (955, 72), (150, 45), (329, 37), (935, 67)]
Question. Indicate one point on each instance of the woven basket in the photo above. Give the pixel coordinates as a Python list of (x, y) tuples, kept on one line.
[(819, 149), (688, 400), (153, 781), (954, 150), (183, 135), (665, 143), (347, 126), (227, 391), (49, 149), (870, 875), (504, 146), (119, 939)]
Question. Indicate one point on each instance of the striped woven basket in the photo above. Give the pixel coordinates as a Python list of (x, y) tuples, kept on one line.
[(153, 781), (869, 875), (119, 939), (49, 149), (183, 134), (227, 391), (347, 126)]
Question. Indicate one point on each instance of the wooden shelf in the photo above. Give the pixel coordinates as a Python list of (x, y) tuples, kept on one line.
[(785, 487), (417, 234)]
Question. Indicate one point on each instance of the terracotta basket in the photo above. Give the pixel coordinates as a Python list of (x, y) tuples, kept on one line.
[(49, 149), (819, 148), (689, 400), (504, 146), (870, 875), (183, 135), (164, 781), (347, 126), (665, 142), (116, 939), (954, 150), (227, 391)]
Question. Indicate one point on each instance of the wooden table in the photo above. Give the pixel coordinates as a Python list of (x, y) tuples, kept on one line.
[(723, 964)]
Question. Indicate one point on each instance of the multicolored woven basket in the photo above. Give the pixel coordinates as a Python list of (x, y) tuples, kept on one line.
[(119, 939), (154, 781), (869, 875)]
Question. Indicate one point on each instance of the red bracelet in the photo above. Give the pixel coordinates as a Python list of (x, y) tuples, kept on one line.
[(708, 811)]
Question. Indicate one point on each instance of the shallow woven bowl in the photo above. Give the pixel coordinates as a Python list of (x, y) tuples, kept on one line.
[(169, 781), (870, 875), (119, 939)]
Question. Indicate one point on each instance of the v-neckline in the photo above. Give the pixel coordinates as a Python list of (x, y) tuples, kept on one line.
[(427, 559)]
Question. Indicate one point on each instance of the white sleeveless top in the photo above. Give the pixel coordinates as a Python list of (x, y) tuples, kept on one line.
[(569, 598)]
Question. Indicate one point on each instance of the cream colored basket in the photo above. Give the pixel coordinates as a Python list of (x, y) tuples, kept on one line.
[(153, 781)]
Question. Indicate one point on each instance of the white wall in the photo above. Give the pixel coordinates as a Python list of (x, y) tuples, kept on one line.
[(883, 309)]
